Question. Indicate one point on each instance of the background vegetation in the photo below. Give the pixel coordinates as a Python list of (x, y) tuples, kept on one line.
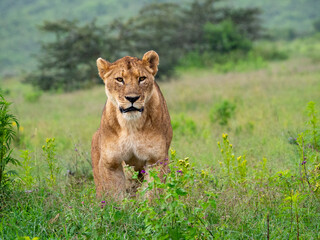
[(172, 30), (244, 159), (21, 18)]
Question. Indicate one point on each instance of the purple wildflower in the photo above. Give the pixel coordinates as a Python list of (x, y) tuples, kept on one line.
[(143, 171), (160, 162), (103, 201), (76, 149), (179, 171), (304, 162), (167, 159)]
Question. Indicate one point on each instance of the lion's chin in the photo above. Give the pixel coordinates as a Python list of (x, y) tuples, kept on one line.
[(132, 115)]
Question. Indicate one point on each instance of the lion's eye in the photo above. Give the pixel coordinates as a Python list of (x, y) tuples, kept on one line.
[(119, 79), (141, 79)]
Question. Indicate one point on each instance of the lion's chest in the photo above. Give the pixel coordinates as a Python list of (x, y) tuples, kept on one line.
[(137, 148)]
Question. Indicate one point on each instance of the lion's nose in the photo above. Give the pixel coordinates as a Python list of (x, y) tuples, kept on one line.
[(132, 99)]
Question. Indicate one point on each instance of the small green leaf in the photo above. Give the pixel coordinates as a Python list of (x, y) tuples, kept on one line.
[(181, 192)]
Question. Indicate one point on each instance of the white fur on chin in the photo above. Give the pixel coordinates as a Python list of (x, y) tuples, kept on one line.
[(131, 115)]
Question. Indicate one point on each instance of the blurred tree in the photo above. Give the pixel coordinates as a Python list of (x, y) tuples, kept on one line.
[(69, 62), (246, 22), (224, 37), (173, 31), (316, 25), (170, 29), (156, 27)]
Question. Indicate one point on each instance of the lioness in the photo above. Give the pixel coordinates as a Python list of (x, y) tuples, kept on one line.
[(135, 125)]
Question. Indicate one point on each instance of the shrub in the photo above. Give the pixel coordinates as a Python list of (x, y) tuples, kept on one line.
[(7, 134), (224, 37), (33, 96), (176, 211), (222, 112)]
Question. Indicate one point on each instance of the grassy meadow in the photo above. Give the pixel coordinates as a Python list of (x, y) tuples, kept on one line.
[(265, 193)]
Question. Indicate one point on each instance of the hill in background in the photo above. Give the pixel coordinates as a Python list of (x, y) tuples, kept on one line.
[(20, 38)]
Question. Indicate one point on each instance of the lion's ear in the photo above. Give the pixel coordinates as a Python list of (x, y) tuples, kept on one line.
[(151, 60), (103, 67)]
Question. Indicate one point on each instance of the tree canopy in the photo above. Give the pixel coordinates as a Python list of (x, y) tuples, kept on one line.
[(172, 30)]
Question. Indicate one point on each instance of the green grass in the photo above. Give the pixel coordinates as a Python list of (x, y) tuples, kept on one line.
[(277, 94), (270, 108)]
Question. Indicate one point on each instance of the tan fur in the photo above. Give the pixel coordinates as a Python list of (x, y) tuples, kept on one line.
[(140, 139)]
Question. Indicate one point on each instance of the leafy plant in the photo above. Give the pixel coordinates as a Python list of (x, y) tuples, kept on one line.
[(309, 154), (7, 123), (175, 212), (222, 112), (27, 178), (224, 37), (314, 129), (50, 152), (236, 170)]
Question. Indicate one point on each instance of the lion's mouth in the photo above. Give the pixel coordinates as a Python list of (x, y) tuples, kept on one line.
[(131, 109)]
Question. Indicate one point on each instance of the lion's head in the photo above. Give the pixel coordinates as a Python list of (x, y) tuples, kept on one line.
[(129, 82)]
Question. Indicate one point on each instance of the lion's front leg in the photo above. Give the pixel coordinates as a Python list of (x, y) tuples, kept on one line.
[(112, 178)]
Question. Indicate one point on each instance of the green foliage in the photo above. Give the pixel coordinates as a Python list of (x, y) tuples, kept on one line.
[(50, 156), (270, 52), (316, 25), (7, 134), (274, 199), (297, 15), (236, 170), (238, 62), (190, 204), (308, 46), (222, 112), (27, 178), (28, 238), (175, 212), (68, 62), (224, 37), (313, 127), (308, 147), (235, 61), (33, 96)]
